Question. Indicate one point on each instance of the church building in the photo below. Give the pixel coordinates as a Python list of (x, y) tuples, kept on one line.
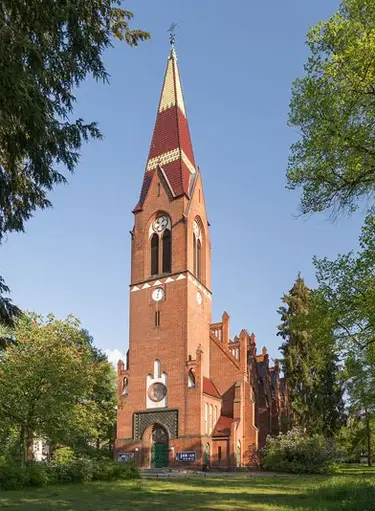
[(189, 395)]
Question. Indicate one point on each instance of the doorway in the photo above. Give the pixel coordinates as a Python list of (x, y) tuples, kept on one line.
[(159, 447)]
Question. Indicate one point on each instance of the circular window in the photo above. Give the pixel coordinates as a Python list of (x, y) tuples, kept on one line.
[(157, 392), (160, 224)]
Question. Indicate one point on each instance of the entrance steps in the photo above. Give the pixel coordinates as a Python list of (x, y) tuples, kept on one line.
[(167, 473)]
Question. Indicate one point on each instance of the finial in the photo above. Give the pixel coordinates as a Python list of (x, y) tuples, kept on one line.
[(172, 34)]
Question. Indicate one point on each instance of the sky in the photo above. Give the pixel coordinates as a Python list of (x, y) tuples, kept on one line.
[(237, 63)]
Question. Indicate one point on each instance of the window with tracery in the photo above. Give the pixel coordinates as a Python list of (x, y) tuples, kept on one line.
[(161, 245)]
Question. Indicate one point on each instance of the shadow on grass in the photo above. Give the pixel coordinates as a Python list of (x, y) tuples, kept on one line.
[(335, 493)]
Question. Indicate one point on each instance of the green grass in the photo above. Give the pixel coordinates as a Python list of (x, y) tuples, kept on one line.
[(315, 493)]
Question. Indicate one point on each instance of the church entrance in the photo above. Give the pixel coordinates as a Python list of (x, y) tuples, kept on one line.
[(159, 447)]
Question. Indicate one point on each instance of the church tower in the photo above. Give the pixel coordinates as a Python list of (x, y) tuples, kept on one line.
[(161, 385)]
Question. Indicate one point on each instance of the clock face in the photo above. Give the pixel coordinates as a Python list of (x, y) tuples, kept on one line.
[(160, 224), (199, 298), (158, 294), (157, 392)]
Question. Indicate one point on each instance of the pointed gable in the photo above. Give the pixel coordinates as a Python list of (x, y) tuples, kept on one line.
[(171, 147)]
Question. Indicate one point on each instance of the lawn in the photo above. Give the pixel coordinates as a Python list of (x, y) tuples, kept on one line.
[(315, 493)]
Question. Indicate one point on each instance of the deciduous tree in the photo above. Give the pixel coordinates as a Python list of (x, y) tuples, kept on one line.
[(333, 110), (52, 385)]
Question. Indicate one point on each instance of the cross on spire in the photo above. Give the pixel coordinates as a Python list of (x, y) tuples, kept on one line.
[(172, 33)]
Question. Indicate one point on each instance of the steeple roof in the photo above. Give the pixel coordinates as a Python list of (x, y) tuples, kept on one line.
[(171, 149)]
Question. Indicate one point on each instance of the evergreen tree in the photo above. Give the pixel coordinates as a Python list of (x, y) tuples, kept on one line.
[(309, 363)]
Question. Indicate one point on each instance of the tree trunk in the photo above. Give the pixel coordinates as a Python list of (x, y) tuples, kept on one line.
[(30, 446), (22, 446), (368, 433)]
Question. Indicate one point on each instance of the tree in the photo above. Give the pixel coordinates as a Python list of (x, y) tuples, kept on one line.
[(310, 363), (333, 110), (47, 49), (51, 385), (360, 385), (347, 287)]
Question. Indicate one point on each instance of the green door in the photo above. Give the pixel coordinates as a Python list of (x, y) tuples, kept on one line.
[(159, 456)]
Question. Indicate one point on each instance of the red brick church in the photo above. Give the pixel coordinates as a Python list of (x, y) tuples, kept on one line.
[(188, 393)]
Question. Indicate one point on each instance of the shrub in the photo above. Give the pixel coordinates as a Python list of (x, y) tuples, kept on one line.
[(109, 470), (36, 474), (64, 468), (77, 470), (63, 455), (12, 475), (297, 453)]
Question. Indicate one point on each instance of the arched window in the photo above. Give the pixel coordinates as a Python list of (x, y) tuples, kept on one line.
[(238, 454), (125, 386), (214, 417), (157, 370), (207, 455), (197, 250), (194, 254), (167, 251), (210, 420), (199, 260), (160, 233), (154, 254), (206, 418), (191, 379)]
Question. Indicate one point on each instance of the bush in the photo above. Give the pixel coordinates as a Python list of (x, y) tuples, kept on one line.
[(12, 475), (77, 470), (64, 468), (63, 455), (109, 470), (36, 474), (296, 453)]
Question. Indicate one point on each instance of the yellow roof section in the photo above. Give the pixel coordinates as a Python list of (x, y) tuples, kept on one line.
[(172, 91)]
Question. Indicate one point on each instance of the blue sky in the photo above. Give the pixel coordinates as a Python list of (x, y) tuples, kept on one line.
[(237, 62)]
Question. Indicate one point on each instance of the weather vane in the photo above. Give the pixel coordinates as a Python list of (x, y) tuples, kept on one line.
[(172, 33)]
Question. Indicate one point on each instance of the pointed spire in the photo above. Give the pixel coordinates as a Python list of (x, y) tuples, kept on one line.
[(171, 147)]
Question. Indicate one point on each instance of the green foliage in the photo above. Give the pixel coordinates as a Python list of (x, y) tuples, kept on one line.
[(333, 109), (12, 475), (54, 384), (63, 469), (300, 454), (76, 470), (63, 455), (109, 470), (352, 439), (36, 474), (47, 49), (310, 363), (347, 288)]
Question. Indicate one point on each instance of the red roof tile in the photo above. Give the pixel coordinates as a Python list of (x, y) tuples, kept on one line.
[(209, 388), (171, 146), (223, 426)]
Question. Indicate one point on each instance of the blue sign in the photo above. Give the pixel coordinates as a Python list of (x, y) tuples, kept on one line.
[(187, 456), (125, 457)]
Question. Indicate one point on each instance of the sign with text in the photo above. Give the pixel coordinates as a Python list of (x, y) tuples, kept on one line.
[(187, 456), (125, 457)]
